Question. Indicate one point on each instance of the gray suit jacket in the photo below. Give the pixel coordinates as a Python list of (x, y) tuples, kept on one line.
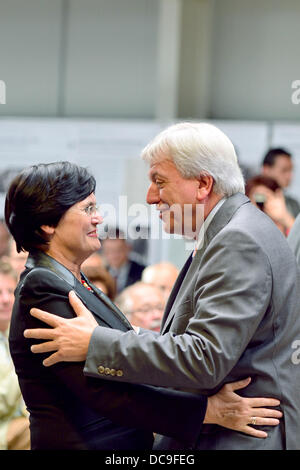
[(294, 239), (233, 313)]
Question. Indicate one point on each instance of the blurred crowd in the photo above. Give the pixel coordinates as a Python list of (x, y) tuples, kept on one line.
[(141, 292)]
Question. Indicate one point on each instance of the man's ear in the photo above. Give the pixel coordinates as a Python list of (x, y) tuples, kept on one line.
[(48, 229), (205, 187), (265, 170)]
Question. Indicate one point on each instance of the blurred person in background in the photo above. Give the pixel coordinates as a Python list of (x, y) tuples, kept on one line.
[(93, 261), (266, 194), (4, 239), (116, 252), (101, 278), (162, 275), (14, 422), (278, 164), (17, 260), (143, 305)]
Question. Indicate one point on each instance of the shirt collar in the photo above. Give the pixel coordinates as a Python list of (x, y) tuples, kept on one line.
[(207, 221)]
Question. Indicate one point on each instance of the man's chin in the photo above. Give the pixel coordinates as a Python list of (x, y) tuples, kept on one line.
[(170, 229)]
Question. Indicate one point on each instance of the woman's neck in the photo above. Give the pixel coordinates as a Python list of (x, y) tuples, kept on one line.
[(66, 260)]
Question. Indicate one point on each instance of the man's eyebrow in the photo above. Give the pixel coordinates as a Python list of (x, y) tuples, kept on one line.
[(155, 174)]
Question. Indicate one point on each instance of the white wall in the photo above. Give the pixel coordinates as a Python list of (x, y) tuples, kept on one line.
[(255, 58), (221, 59), (111, 58), (29, 56), (79, 57)]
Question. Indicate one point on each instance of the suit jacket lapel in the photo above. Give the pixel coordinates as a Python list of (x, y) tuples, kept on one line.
[(188, 271), (185, 275)]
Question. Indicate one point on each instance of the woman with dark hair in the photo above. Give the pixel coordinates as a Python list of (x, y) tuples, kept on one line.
[(51, 212)]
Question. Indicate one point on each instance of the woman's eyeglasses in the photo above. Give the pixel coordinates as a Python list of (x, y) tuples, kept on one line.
[(91, 210)]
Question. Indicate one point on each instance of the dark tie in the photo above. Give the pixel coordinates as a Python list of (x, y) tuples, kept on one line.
[(176, 287)]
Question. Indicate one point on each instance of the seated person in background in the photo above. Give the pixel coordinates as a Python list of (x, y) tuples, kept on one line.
[(118, 263), (15, 259), (101, 278), (162, 275), (143, 305), (265, 193), (4, 239), (14, 422), (278, 165)]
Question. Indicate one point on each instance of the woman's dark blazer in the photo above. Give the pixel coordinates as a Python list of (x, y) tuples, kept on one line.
[(71, 411)]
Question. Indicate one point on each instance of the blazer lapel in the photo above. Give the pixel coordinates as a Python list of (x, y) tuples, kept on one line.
[(107, 302)]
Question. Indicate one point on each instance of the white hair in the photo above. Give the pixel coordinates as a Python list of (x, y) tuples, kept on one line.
[(150, 272), (125, 300), (199, 148)]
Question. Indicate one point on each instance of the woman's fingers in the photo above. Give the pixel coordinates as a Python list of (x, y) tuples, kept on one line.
[(261, 402), (232, 386), (266, 413), (254, 432), (265, 421)]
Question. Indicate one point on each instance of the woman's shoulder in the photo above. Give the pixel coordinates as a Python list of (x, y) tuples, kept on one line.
[(40, 278)]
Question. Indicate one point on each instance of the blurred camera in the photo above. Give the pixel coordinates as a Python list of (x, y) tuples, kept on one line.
[(260, 200)]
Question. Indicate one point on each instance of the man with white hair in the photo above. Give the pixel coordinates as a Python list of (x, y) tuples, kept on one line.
[(161, 275), (234, 309), (143, 305)]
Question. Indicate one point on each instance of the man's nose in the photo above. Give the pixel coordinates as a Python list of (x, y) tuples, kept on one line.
[(152, 194), (157, 311), (5, 297)]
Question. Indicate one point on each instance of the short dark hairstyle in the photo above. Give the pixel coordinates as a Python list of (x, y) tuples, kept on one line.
[(272, 154), (40, 195), (261, 180)]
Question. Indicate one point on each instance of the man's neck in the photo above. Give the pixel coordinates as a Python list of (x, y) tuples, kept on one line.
[(209, 217), (212, 201)]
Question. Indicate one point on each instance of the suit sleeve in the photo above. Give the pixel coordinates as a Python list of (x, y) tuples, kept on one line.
[(229, 299), (172, 413), (294, 239)]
